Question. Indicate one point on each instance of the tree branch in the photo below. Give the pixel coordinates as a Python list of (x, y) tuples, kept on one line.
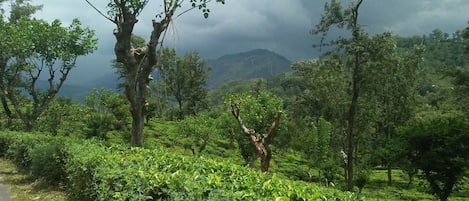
[(191, 9), (235, 112), (101, 13), (274, 125)]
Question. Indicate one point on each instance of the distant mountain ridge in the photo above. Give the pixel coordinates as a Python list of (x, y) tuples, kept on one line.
[(258, 63)]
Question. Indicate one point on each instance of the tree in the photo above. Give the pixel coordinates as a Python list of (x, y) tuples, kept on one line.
[(391, 89), (107, 111), (63, 117), (31, 48), (354, 49), (323, 102), (197, 132), (19, 8), (436, 143), (22, 8), (465, 35), (325, 92), (139, 62), (370, 66), (259, 112), (184, 79)]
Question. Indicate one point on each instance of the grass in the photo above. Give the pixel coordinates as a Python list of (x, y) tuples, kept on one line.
[(378, 189), (22, 188)]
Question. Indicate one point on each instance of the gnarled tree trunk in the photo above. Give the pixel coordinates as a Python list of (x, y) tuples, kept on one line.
[(260, 141), (138, 63)]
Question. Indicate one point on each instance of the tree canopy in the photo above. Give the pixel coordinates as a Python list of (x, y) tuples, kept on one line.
[(436, 143), (32, 49)]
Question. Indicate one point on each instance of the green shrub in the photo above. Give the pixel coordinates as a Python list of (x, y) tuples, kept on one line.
[(96, 172), (83, 159), (18, 151), (48, 161), (5, 141)]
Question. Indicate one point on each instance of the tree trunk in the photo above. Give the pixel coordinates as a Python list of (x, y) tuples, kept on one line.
[(350, 137), (29, 125), (138, 62), (180, 110), (351, 123), (389, 174), (266, 156), (137, 126), (7, 112), (354, 102)]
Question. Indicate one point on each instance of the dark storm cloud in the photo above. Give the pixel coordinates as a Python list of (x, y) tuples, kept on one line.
[(241, 25), (416, 17)]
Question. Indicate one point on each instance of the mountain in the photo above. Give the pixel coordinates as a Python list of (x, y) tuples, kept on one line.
[(258, 63), (108, 81), (76, 92)]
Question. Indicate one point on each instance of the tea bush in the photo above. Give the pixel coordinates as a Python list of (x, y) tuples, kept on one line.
[(92, 171), (48, 161)]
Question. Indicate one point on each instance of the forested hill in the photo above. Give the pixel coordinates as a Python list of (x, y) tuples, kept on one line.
[(244, 65), (258, 63)]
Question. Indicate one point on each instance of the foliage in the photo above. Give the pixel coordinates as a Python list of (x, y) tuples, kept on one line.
[(48, 162), (259, 110), (139, 62), (197, 131), (184, 80), (95, 172), (63, 117), (31, 48), (434, 142), (107, 111), (325, 91), (364, 85), (22, 8)]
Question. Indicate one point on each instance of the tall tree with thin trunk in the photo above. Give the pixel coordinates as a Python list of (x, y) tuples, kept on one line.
[(139, 62), (353, 48)]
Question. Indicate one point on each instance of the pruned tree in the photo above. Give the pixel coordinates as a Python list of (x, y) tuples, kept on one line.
[(260, 140), (139, 62), (258, 112)]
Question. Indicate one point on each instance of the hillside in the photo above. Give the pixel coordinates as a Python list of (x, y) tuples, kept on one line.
[(258, 63), (76, 92)]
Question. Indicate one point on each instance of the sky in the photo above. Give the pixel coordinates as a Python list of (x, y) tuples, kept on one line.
[(281, 26)]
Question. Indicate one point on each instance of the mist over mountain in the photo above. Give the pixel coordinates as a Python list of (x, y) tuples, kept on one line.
[(76, 92), (258, 63)]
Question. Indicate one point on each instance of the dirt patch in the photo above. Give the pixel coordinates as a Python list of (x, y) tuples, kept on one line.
[(4, 192)]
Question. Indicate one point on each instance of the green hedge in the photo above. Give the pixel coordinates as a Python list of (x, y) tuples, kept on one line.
[(91, 171)]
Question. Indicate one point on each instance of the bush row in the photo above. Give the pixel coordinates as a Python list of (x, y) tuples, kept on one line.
[(91, 171)]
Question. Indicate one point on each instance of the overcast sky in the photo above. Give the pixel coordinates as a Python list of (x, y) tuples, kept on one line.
[(240, 25)]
